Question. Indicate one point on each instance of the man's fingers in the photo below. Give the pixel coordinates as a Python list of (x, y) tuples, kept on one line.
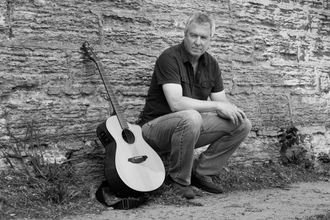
[(233, 118), (239, 116), (242, 113), (233, 113), (236, 118)]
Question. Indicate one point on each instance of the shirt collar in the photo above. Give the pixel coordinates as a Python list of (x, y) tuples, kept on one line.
[(185, 55)]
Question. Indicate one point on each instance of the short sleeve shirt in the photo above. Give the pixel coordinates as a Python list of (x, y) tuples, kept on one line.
[(173, 66)]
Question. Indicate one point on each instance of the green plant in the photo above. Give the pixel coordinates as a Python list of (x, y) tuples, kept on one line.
[(291, 151), (325, 216), (19, 148), (287, 138), (50, 182), (55, 185), (324, 157)]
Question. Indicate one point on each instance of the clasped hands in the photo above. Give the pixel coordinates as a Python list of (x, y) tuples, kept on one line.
[(231, 112)]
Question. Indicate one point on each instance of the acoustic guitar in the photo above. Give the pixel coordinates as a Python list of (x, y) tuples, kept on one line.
[(131, 165)]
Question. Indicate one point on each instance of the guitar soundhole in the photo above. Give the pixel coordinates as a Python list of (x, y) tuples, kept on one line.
[(128, 136)]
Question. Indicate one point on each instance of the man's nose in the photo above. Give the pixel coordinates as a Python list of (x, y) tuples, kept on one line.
[(198, 40)]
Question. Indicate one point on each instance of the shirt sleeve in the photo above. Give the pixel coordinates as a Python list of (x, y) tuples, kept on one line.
[(218, 86), (167, 70)]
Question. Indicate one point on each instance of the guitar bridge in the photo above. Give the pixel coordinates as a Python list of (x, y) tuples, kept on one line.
[(138, 159)]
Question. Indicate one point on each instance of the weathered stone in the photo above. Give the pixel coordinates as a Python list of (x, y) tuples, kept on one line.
[(274, 56)]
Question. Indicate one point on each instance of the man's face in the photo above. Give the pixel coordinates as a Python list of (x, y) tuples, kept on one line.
[(197, 38)]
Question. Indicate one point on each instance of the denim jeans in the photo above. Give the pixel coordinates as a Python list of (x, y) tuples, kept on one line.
[(179, 133)]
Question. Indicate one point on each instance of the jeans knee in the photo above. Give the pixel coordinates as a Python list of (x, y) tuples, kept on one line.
[(192, 118)]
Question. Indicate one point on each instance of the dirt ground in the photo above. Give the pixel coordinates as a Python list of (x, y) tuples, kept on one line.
[(297, 201)]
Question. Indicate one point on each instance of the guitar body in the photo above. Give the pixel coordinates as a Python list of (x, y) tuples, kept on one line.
[(131, 165)]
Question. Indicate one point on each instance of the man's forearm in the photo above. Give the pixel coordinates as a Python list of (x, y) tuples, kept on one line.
[(185, 103)]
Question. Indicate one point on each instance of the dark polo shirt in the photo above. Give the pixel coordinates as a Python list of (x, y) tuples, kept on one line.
[(173, 66)]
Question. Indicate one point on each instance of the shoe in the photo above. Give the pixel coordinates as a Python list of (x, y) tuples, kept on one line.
[(206, 183), (182, 190)]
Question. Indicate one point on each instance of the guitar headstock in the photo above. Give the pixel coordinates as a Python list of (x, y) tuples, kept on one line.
[(89, 51)]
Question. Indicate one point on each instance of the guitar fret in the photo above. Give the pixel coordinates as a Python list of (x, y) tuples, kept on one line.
[(116, 107)]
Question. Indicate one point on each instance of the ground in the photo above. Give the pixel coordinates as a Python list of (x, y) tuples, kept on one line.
[(296, 201), (262, 191)]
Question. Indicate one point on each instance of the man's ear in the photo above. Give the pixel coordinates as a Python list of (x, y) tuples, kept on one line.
[(185, 32)]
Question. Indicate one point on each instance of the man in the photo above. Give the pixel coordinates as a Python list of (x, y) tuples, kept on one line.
[(186, 108)]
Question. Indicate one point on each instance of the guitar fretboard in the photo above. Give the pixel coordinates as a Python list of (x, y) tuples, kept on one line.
[(116, 107)]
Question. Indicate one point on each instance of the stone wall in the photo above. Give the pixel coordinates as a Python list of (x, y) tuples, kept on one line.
[(274, 54)]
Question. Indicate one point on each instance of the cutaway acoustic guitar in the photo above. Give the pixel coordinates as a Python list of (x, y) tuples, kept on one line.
[(131, 165)]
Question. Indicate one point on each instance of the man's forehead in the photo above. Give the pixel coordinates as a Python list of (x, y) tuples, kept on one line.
[(200, 27), (204, 24)]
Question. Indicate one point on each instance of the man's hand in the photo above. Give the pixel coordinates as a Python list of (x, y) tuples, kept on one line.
[(230, 111)]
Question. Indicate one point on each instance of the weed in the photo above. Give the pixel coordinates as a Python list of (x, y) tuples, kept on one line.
[(320, 216), (288, 137), (291, 152), (324, 157), (39, 182), (53, 190)]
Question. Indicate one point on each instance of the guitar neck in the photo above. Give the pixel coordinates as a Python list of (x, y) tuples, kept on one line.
[(116, 107)]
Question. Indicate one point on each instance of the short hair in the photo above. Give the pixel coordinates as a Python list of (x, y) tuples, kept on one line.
[(200, 18)]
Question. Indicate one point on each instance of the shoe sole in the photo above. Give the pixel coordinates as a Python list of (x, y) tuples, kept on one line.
[(203, 187)]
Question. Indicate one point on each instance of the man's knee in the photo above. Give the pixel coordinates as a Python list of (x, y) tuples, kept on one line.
[(192, 118)]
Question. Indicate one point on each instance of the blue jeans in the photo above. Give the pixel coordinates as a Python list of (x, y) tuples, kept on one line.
[(179, 133)]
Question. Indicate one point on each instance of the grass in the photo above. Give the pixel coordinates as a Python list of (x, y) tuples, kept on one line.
[(319, 217), (24, 196), (256, 177), (60, 192), (42, 190)]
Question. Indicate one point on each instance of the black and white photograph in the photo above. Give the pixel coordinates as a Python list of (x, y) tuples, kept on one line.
[(165, 109)]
